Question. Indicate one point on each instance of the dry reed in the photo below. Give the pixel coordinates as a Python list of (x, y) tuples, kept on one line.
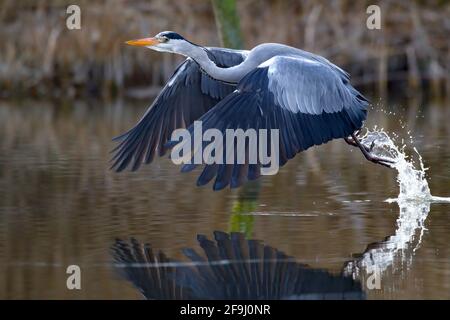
[(40, 56)]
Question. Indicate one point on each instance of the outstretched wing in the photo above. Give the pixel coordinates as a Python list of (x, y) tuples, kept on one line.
[(308, 101), (187, 95)]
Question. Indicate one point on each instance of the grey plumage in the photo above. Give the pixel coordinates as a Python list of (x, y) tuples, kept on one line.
[(273, 86), (306, 100), (188, 94)]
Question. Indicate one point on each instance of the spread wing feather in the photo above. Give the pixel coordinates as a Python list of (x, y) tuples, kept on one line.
[(309, 102), (187, 95)]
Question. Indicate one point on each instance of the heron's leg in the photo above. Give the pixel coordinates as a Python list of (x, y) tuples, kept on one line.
[(366, 152), (350, 142), (353, 143)]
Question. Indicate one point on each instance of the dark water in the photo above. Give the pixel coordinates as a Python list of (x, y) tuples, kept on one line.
[(60, 204)]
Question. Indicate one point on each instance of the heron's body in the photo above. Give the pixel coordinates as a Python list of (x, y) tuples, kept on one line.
[(273, 86)]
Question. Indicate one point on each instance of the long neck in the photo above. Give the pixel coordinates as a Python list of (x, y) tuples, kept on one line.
[(231, 75)]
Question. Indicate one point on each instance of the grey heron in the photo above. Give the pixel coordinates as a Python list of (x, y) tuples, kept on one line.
[(273, 86)]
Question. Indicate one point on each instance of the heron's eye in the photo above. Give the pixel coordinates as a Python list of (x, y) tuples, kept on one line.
[(163, 39)]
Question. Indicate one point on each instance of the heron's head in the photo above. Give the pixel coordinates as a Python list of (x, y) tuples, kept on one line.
[(166, 41)]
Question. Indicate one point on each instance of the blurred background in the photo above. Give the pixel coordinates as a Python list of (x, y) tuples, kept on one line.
[(65, 93), (39, 56)]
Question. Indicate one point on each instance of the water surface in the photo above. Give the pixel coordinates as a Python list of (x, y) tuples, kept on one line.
[(60, 204)]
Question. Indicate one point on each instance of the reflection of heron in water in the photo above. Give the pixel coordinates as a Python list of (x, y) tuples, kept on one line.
[(233, 268)]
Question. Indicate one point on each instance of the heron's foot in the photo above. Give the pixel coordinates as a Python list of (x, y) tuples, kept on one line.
[(379, 160), (367, 152)]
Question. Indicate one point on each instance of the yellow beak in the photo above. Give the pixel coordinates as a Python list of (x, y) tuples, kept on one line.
[(143, 42)]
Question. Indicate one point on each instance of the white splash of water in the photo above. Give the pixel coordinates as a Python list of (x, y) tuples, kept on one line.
[(402, 245), (411, 180), (414, 201)]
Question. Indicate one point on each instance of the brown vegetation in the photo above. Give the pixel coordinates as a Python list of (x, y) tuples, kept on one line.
[(39, 55)]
